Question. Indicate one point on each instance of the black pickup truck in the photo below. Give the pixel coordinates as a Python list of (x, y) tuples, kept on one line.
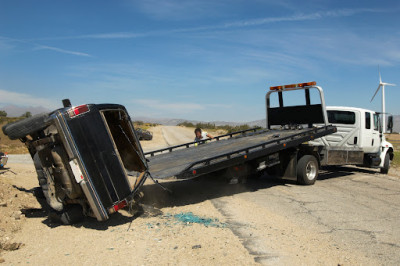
[(89, 159)]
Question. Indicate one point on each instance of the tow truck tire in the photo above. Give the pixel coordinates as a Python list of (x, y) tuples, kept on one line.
[(386, 164), (307, 170), (26, 126)]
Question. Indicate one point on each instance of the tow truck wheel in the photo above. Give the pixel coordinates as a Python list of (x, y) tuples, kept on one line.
[(386, 164), (307, 170)]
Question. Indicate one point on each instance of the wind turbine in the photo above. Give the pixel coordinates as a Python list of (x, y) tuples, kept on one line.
[(382, 85)]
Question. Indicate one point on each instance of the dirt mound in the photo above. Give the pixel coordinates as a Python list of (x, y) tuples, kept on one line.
[(14, 203)]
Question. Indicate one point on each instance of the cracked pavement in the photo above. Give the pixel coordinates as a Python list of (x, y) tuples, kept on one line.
[(350, 215)]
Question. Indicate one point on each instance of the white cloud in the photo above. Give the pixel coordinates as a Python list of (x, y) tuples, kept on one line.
[(178, 10), (235, 24), (22, 99), (5, 43), (59, 50)]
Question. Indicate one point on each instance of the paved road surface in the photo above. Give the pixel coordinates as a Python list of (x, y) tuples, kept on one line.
[(358, 210)]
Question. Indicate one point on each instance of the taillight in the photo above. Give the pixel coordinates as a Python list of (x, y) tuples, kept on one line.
[(78, 110), (118, 206)]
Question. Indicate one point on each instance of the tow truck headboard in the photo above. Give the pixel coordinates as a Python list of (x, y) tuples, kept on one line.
[(307, 114)]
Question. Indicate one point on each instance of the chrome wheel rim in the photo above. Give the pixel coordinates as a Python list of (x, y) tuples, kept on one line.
[(311, 170)]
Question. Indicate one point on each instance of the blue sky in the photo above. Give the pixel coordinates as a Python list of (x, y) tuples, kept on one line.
[(202, 60)]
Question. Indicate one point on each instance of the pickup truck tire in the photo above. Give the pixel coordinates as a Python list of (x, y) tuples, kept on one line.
[(27, 126), (307, 170), (386, 164)]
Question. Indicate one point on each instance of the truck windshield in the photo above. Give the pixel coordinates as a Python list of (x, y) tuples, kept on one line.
[(341, 117)]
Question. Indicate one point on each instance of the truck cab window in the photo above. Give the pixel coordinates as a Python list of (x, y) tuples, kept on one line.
[(341, 117), (367, 120), (376, 122)]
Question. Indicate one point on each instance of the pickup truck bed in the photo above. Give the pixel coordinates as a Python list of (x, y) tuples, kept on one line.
[(188, 160)]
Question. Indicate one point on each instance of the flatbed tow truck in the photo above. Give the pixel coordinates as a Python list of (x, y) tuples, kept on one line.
[(280, 149)]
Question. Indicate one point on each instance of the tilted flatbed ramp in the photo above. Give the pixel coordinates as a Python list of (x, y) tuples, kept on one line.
[(188, 160)]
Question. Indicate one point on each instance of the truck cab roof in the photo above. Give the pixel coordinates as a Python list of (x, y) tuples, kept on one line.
[(346, 108)]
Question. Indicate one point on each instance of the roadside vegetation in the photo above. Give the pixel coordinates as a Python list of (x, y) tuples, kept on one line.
[(212, 127), (395, 140), (143, 125)]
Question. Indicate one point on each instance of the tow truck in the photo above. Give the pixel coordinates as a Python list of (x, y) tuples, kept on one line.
[(281, 148), (297, 141)]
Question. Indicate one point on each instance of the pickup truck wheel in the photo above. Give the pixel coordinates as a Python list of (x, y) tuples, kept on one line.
[(26, 126), (386, 164), (307, 170)]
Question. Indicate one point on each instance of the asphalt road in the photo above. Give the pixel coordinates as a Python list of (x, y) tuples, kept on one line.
[(358, 210)]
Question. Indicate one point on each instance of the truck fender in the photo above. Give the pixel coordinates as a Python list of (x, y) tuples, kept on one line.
[(385, 151), (310, 150)]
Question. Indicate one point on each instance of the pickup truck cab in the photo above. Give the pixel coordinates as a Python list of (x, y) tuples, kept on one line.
[(358, 140)]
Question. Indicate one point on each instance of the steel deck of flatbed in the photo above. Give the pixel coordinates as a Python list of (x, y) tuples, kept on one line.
[(205, 158)]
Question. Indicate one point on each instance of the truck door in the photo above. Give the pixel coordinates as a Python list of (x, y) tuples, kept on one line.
[(348, 130), (370, 138), (376, 140)]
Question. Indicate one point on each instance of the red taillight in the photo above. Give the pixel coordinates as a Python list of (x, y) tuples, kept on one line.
[(120, 205), (78, 110)]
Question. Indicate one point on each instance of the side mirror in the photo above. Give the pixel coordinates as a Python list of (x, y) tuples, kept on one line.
[(390, 124)]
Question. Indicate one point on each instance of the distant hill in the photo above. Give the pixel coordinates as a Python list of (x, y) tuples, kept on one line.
[(15, 111)]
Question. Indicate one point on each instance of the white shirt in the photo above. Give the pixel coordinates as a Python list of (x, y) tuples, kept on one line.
[(203, 136)]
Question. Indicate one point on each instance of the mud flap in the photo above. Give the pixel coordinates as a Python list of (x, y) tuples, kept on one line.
[(288, 164)]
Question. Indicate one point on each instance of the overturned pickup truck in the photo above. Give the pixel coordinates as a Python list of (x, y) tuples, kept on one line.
[(88, 159)]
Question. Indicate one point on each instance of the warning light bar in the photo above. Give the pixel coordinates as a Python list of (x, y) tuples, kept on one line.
[(78, 110), (297, 85)]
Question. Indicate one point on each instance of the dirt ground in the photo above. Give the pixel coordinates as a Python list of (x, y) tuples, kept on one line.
[(244, 229), (26, 233)]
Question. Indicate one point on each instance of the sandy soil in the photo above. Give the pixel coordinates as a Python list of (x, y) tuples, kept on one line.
[(26, 233), (121, 240)]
